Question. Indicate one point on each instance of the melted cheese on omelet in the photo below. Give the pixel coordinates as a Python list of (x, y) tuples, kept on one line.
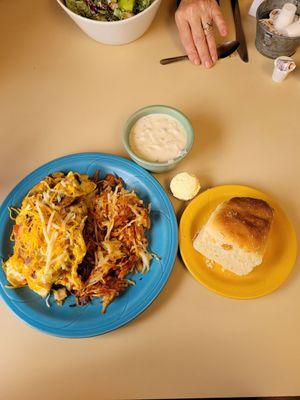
[(49, 243)]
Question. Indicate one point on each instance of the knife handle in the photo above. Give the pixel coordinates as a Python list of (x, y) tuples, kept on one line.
[(170, 60), (239, 31)]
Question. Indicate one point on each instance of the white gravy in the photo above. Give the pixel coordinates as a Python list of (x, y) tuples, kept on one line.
[(158, 138)]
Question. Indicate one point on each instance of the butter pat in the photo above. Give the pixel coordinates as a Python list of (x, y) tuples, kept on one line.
[(185, 186)]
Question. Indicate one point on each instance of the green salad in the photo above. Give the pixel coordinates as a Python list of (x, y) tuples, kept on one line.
[(107, 10)]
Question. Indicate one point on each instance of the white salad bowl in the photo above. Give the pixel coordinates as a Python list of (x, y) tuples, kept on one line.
[(115, 32)]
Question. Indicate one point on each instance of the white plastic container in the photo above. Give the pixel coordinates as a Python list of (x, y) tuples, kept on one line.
[(279, 73), (285, 17), (254, 7), (293, 30), (115, 32)]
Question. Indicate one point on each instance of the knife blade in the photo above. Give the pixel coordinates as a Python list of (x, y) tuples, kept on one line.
[(225, 50), (240, 35)]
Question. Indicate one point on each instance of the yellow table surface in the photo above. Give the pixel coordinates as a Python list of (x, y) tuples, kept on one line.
[(60, 93)]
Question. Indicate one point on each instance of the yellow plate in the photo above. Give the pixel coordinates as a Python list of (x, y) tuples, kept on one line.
[(278, 261)]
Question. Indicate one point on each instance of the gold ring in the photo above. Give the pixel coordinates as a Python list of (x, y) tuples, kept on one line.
[(207, 27)]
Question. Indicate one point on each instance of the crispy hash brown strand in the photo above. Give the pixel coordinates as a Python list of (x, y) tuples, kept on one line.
[(116, 243)]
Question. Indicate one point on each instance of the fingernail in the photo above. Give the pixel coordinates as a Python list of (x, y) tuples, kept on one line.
[(207, 64), (196, 61)]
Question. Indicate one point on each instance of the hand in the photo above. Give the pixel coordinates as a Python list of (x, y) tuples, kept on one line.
[(195, 19)]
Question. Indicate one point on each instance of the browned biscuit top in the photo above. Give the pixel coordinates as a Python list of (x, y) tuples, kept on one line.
[(245, 221)]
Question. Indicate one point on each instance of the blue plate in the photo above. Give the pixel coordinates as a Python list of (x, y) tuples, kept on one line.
[(75, 322)]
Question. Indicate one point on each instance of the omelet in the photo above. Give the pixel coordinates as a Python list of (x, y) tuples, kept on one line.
[(48, 234)]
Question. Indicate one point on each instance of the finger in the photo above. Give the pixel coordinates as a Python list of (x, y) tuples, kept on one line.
[(200, 42), (187, 39), (210, 39), (220, 21)]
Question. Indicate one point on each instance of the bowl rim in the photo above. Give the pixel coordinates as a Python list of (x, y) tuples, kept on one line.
[(134, 156), (119, 22)]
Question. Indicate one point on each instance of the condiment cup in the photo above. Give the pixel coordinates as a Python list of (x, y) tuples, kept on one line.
[(158, 167), (278, 74)]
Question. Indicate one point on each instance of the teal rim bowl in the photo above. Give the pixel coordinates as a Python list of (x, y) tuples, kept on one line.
[(158, 109)]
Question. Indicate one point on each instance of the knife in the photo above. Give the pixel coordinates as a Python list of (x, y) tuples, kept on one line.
[(240, 35), (225, 50)]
